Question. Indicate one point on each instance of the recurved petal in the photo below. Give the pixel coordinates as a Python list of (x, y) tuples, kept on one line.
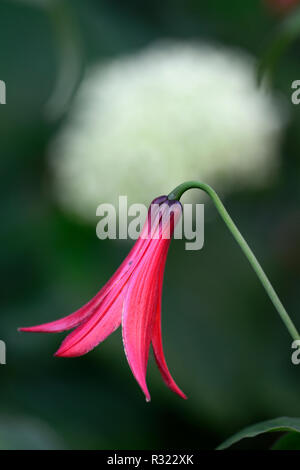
[(95, 329), (80, 315), (70, 321), (106, 315), (139, 312), (140, 305)]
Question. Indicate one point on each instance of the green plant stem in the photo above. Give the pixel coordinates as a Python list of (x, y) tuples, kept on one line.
[(178, 192)]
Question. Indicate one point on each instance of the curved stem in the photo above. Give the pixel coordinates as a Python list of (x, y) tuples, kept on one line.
[(178, 192)]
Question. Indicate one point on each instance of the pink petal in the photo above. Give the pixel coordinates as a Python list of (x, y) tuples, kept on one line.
[(76, 318), (138, 315), (106, 316), (105, 320), (157, 338), (71, 321), (80, 315), (140, 306)]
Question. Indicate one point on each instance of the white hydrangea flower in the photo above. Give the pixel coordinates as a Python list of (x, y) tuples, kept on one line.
[(144, 123)]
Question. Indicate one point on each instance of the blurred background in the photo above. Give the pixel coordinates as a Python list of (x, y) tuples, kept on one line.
[(111, 97)]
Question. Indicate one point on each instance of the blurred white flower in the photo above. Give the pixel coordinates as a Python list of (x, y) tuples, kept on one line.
[(176, 111)]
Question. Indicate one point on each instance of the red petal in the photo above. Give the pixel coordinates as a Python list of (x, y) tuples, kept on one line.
[(80, 315), (76, 318), (138, 314), (140, 305), (106, 316), (71, 321), (95, 329), (157, 338)]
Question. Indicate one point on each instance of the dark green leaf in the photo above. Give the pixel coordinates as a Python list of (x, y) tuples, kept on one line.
[(274, 425), (289, 441)]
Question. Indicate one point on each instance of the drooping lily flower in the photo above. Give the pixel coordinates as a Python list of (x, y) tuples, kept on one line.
[(132, 297)]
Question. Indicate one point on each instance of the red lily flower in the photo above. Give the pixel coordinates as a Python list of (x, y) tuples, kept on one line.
[(132, 297)]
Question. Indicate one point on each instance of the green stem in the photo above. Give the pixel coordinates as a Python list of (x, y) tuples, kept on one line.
[(178, 192)]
